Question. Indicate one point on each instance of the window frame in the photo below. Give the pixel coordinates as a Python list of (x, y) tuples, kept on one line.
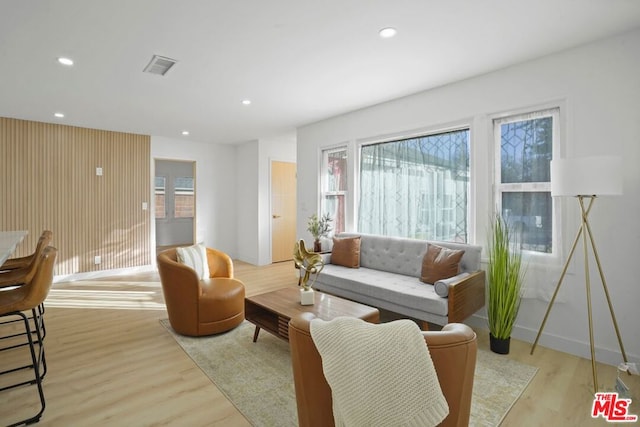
[(324, 192), (460, 125), (555, 112), (156, 193), (184, 191)]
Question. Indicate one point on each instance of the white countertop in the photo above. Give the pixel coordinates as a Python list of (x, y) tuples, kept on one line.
[(9, 241)]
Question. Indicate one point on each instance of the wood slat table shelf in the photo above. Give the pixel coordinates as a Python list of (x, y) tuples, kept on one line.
[(272, 311)]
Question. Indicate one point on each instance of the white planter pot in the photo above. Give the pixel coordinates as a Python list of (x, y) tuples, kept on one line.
[(306, 297)]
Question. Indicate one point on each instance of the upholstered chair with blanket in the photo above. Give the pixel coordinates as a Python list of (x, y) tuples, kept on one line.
[(452, 350), (201, 295)]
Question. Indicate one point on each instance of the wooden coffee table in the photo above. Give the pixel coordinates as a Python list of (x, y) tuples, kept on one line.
[(272, 311)]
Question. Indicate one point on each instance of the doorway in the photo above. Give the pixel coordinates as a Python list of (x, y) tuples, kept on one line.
[(175, 197), (283, 210)]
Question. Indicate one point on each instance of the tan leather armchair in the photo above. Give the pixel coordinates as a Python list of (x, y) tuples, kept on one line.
[(201, 307), (453, 351)]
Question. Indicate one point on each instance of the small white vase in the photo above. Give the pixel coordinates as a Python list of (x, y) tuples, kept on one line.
[(306, 297)]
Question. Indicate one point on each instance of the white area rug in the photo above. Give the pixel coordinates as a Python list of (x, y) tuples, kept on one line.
[(257, 377)]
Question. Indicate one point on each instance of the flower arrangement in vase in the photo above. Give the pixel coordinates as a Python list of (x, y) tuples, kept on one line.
[(319, 227)]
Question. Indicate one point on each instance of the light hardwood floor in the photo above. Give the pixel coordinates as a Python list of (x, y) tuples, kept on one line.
[(111, 363)]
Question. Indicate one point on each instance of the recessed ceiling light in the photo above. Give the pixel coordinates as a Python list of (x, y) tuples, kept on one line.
[(65, 61), (59, 115), (185, 132), (246, 102), (388, 32)]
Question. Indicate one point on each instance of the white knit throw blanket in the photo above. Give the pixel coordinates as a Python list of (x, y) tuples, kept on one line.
[(380, 375)]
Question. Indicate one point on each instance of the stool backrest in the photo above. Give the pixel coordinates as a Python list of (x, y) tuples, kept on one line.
[(32, 268), (36, 291)]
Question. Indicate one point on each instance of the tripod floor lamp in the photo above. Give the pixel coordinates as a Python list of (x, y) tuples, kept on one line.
[(585, 179)]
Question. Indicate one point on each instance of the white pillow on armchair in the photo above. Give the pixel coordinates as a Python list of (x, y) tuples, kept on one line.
[(195, 257)]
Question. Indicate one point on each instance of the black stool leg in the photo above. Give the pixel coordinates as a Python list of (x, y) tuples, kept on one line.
[(36, 360)]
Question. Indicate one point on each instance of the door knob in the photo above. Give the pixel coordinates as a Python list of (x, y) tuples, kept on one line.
[(274, 216)]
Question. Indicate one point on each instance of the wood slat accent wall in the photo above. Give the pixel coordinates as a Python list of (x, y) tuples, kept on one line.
[(48, 181)]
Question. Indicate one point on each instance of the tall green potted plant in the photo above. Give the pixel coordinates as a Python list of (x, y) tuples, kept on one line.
[(505, 278)]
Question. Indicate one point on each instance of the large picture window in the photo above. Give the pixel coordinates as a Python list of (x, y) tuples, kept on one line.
[(416, 187), (523, 179), (334, 186)]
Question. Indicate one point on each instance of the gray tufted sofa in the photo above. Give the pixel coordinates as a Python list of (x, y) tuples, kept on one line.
[(389, 278)]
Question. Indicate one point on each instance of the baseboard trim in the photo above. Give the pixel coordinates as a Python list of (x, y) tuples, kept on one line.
[(90, 275), (575, 347)]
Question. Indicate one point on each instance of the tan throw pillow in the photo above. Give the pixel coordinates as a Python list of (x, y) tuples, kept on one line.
[(346, 252), (195, 257), (440, 263)]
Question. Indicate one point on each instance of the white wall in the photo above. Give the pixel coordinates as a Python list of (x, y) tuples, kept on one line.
[(597, 87), (247, 173), (233, 205), (254, 200), (216, 191)]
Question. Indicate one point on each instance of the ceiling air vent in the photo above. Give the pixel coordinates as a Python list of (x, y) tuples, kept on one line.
[(159, 65)]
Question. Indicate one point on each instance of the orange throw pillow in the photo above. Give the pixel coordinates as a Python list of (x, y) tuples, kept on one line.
[(440, 263), (346, 252)]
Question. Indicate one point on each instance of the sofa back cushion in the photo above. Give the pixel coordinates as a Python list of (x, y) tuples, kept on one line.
[(404, 256)]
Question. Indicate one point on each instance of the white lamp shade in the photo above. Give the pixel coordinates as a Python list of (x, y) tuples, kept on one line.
[(587, 176)]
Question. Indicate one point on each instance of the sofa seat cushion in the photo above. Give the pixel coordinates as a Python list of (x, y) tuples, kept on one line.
[(221, 298), (396, 288)]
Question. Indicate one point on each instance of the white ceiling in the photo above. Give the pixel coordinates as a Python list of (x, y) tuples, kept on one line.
[(299, 61)]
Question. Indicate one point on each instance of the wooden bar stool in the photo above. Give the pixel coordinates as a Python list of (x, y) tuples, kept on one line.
[(17, 272), (15, 302)]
